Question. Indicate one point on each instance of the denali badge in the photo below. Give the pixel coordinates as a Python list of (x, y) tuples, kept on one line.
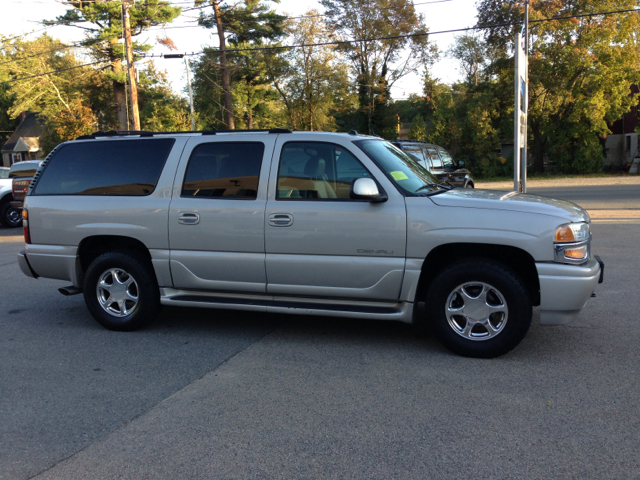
[(375, 252)]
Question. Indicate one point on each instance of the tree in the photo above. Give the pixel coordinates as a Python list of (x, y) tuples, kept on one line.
[(377, 60), (580, 70), (470, 51), (418, 130), (102, 21), (311, 80), (239, 24)]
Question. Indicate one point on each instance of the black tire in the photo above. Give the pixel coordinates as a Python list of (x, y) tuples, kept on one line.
[(453, 310), (140, 297), (10, 217), (469, 185)]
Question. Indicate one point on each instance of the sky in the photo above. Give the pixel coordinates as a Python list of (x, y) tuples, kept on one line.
[(22, 16)]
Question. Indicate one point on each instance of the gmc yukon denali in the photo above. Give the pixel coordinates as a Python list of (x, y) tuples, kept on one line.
[(300, 222)]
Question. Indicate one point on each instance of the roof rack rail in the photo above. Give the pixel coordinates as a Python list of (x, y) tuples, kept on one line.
[(147, 133)]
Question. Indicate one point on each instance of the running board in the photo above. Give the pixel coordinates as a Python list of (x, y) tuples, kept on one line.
[(400, 311)]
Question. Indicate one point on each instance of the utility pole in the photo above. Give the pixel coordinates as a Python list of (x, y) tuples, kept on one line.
[(193, 122), (186, 63), (226, 84), (133, 89), (521, 54)]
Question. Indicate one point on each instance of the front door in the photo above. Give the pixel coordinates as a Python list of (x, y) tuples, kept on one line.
[(321, 243), (216, 217)]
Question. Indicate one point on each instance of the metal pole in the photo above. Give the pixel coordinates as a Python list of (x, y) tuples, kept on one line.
[(193, 122), (525, 107), (516, 119)]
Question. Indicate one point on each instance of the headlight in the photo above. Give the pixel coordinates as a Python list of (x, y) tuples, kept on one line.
[(572, 243), (574, 232)]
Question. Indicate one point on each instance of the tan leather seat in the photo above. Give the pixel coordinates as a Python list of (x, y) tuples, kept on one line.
[(314, 169)]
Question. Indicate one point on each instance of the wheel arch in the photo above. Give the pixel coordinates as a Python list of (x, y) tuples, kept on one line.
[(513, 257), (6, 197), (92, 247)]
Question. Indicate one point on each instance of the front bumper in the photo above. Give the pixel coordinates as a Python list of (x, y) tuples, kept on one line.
[(565, 289)]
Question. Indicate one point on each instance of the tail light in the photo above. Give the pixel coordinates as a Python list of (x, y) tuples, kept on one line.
[(25, 225)]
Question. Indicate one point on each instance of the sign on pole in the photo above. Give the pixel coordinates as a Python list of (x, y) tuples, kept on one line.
[(520, 115)]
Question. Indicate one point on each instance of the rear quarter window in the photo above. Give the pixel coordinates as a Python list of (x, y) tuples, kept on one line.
[(112, 167)]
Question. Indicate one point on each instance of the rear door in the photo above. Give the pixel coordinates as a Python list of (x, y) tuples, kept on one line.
[(216, 218), (321, 243)]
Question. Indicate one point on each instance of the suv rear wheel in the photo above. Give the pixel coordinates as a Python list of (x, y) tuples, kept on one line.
[(479, 308), (121, 292)]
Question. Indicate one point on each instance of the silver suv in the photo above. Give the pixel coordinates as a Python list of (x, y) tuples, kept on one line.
[(305, 222)]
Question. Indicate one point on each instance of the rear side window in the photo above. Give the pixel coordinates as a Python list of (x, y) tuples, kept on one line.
[(112, 167), (224, 170), (23, 170)]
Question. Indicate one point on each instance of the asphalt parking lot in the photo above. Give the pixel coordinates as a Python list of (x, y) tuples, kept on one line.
[(218, 394)]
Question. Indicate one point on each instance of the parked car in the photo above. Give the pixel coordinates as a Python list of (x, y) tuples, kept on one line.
[(9, 216), (438, 161), (21, 174), (306, 222)]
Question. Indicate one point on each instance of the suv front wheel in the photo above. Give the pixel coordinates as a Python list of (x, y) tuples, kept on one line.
[(121, 292), (479, 308)]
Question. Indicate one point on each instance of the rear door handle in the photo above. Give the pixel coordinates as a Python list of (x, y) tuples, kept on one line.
[(188, 218), (280, 220)]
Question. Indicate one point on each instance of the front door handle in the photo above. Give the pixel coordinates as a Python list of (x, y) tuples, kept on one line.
[(188, 218), (280, 220)]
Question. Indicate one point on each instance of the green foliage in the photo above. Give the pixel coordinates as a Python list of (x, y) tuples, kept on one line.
[(378, 64), (580, 71), (418, 130)]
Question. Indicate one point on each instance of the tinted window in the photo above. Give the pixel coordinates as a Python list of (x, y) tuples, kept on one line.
[(315, 170), (447, 161), (435, 158), (23, 170), (4, 173), (110, 167), (228, 170), (415, 151)]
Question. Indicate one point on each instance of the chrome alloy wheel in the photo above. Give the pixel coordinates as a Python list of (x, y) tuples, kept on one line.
[(476, 311), (117, 292), (14, 217)]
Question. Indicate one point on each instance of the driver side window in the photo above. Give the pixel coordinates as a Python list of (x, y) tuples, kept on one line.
[(317, 171)]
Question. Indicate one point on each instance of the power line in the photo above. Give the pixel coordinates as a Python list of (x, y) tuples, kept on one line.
[(28, 33), (53, 71), (343, 42), (285, 17), (63, 47), (409, 35)]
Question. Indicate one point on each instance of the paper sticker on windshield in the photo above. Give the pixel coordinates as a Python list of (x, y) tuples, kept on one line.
[(399, 176)]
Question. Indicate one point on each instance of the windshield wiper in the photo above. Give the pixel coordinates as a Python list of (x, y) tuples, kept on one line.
[(428, 185), (448, 186)]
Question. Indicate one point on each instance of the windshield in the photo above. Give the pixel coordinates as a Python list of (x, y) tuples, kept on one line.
[(401, 169)]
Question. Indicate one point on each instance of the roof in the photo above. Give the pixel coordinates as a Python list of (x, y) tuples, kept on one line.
[(29, 131), (27, 144)]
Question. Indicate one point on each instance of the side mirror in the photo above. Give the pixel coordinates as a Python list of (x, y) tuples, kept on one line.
[(367, 189), (460, 163)]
